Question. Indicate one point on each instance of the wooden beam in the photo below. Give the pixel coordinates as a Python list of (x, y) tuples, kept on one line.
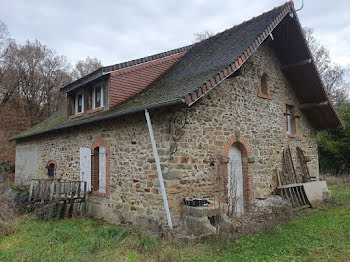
[(300, 63), (313, 105)]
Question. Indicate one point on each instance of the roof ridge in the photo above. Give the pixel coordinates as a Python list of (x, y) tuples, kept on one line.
[(249, 20), (147, 65), (198, 93), (145, 59)]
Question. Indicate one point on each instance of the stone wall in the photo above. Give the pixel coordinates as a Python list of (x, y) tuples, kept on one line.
[(134, 188), (231, 113)]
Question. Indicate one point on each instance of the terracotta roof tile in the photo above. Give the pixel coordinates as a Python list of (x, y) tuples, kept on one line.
[(126, 83)]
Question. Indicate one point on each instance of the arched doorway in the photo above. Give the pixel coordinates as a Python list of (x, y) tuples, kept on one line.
[(235, 187)]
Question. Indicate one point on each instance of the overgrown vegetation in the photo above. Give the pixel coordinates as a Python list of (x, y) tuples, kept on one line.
[(5, 167), (334, 146), (8, 211), (320, 234)]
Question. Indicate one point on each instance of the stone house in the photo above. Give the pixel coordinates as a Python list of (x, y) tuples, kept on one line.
[(220, 111)]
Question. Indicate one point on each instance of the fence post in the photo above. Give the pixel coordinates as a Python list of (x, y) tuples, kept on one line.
[(58, 193), (79, 189), (64, 190), (31, 190), (85, 202)]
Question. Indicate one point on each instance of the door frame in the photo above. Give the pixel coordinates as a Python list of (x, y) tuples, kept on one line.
[(247, 168)]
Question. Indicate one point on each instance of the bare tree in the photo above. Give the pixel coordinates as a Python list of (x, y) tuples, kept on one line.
[(199, 37), (37, 73), (6, 90), (332, 74), (85, 67), (32, 74), (4, 39)]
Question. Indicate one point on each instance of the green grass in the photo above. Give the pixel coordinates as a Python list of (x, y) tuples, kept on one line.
[(65, 240), (321, 234)]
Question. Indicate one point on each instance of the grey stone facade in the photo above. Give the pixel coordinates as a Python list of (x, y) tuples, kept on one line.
[(231, 112)]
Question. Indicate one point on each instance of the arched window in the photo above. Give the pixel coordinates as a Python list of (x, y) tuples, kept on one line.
[(51, 170), (264, 87)]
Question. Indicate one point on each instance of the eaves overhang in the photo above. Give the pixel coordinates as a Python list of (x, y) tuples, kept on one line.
[(99, 118)]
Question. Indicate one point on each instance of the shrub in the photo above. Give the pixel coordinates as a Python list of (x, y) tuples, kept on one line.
[(334, 146), (8, 209), (5, 167)]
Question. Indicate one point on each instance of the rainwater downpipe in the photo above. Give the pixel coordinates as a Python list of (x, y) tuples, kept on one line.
[(159, 170)]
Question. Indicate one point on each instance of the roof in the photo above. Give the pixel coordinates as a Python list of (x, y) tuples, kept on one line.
[(207, 63), (126, 83), (208, 58), (108, 69)]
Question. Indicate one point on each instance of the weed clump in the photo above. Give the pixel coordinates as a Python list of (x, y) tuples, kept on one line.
[(10, 206)]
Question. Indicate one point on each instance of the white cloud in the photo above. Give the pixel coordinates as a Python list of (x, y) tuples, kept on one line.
[(115, 31)]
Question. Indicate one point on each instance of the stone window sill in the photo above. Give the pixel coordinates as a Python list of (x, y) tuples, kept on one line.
[(264, 96), (95, 110), (76, 115)]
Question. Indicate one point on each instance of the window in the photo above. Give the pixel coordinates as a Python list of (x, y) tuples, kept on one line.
[(290, 120), (51, 170), (263, 85), (79, 103), (97, 97), (263, 90), (95, 169), (98, 173)]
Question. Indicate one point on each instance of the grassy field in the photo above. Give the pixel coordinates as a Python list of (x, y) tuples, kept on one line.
[(321, 234)]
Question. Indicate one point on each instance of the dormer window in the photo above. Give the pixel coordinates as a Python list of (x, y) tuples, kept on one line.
[(97, 97), (79, 103)]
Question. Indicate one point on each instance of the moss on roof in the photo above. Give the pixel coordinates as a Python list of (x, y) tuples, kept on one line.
[(54, 120)]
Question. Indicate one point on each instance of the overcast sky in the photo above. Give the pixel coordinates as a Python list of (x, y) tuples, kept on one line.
[(116, 31)]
